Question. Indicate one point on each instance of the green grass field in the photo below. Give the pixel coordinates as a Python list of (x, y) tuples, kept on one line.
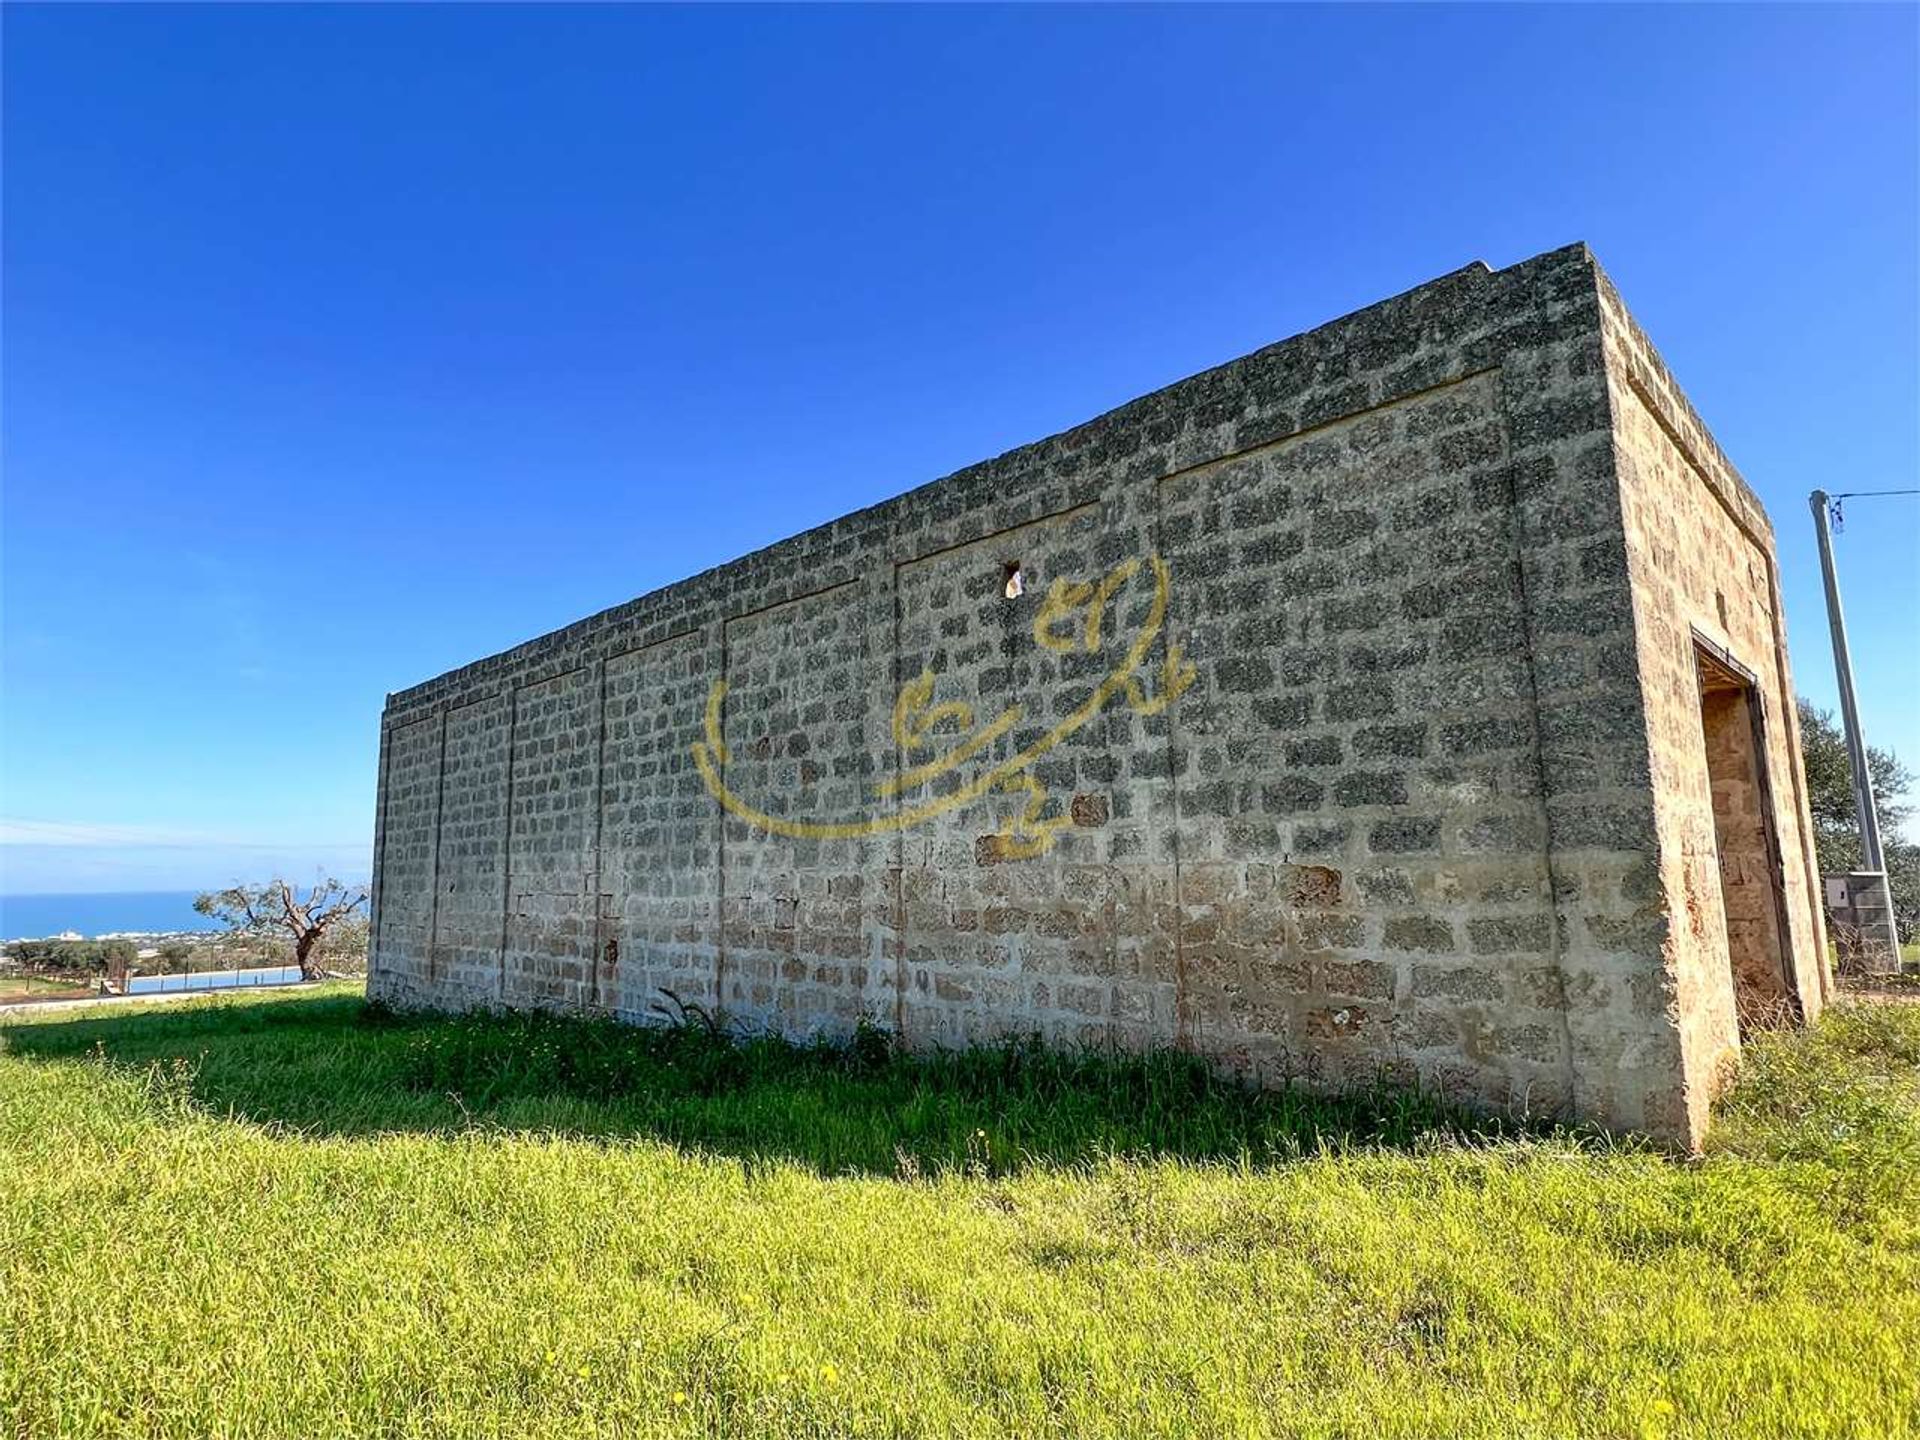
[(288, 1215)]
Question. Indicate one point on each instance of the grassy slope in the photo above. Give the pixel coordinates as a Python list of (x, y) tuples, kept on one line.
[(263, 1215)]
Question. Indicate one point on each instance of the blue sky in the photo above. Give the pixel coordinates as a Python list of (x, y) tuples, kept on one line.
[(345, 345)]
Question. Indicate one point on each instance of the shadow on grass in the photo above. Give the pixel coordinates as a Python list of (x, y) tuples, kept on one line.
[(335, 1065)]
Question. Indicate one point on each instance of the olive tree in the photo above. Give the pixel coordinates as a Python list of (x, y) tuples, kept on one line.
[(277, 908)]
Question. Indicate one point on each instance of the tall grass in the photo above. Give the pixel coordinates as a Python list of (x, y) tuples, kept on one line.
[(297, 1216), (863, 1106)]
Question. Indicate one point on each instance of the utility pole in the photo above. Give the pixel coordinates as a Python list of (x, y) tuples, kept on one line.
[(1876, 913), (1870, 853)]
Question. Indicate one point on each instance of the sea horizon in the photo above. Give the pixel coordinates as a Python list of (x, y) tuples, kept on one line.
[(92, 914)]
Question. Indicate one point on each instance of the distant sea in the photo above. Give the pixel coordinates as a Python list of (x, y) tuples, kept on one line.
[(34, 917)]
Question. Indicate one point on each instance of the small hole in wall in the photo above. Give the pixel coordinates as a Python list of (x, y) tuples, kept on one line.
[(1720, 604), (1016, 580)]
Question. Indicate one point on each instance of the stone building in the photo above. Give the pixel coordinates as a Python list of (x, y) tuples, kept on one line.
[(1409, 695)]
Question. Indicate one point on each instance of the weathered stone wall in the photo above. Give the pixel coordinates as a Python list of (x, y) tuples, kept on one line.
[(1317, 741), (1701, 562)]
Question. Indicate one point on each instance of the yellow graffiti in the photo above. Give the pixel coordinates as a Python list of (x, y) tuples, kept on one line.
[(916, 719), (913, 721), (1064, 599)]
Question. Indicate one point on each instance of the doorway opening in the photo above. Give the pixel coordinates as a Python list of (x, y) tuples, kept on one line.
[(1752, 900)]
